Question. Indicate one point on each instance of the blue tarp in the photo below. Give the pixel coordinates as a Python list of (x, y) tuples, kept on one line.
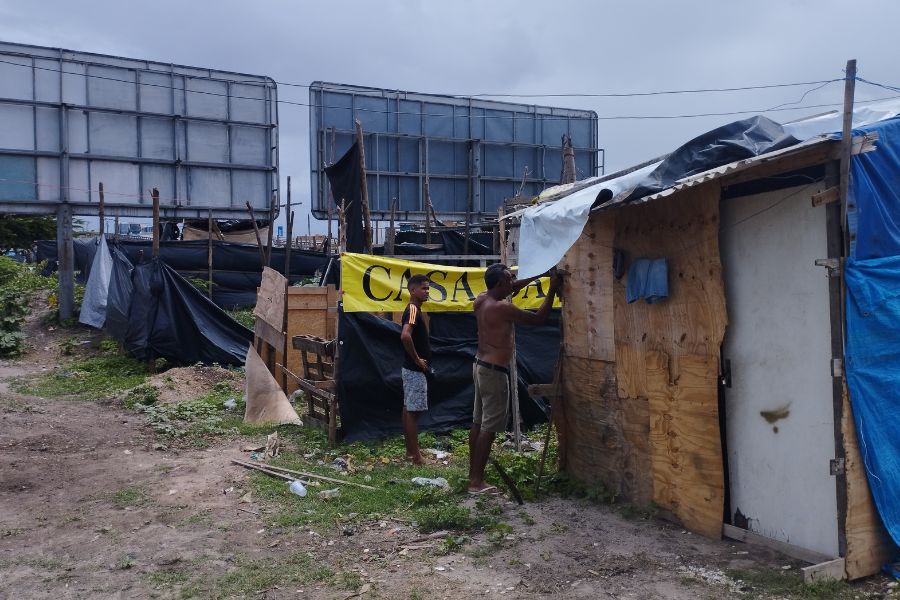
[(874, 207), (872, 347)]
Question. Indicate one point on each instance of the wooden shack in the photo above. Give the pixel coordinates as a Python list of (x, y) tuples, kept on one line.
[(724, 405)]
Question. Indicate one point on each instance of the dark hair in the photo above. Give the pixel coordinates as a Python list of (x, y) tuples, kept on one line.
[(495, 274), (416, 280)]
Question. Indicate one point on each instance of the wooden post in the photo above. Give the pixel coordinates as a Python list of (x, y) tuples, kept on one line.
[(273, 208), (154, 194), (513, 364), (116, 233), (364, 187), (342, 227), (259, 244), (289, 222), (101, 212), (66, 252), (568, 174), (328, 248), (391, 233), (427, 212), (209, 254), (470, 194), (846, 143)]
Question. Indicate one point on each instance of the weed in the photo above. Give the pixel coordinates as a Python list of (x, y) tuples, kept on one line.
[(448, 516), (130, 496), (416, 595), (48, 564), (244, 317), (451, 544), (167, 577), (92, 378), (125, 563), (769, 582), (109, 347), (68, 346), (498, 532), (348, 580), (144, 395)]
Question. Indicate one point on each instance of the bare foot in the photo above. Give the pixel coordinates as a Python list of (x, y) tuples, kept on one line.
[(416, 460)]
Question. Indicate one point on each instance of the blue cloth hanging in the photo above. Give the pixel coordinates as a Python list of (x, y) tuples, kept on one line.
[(648, 278)]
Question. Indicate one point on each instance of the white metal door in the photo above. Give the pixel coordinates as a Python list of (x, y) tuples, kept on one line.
[(779, 408)]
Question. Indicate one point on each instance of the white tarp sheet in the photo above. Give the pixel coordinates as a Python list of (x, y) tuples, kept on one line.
[(96, 292), (548, 230)]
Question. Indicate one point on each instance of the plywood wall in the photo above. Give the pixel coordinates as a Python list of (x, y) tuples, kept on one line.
[(640, 382)]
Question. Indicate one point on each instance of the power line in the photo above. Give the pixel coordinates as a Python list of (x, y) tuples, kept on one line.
[(484, 117)]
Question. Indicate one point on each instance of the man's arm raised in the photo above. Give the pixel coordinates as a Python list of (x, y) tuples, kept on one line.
[(526, 317)]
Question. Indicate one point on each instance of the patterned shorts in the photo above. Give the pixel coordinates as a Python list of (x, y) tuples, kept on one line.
[(415, 390)]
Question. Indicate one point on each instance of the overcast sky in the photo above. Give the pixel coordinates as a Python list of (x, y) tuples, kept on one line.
[(508, 46)]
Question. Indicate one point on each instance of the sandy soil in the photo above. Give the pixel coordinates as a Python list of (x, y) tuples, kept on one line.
[(89, 509)]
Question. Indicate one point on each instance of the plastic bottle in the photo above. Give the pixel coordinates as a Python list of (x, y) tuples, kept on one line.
[(298, 488)]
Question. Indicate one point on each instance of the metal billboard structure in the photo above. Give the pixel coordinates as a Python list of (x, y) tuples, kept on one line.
[(206, 139), (474, 153)]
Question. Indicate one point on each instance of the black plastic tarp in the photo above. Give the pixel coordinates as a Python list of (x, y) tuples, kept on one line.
[(371, 357), (236, 267), (345, 179), (732, 142), (155, 312)]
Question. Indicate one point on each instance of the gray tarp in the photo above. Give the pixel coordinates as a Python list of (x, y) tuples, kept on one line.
[(93, 307)]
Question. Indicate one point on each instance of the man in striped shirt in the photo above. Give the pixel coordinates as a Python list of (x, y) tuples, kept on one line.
[(414, 336)]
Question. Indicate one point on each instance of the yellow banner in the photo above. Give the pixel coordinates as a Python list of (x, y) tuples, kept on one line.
[(378, 284)]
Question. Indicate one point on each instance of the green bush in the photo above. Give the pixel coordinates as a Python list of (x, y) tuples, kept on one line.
[(9, 269)]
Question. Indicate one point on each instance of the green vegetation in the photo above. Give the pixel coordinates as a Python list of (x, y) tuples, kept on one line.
[(249, 577), (243, 316), (142, 395), (130, 496), (192, 421), (88, 379), (766, 583), (21, 231)]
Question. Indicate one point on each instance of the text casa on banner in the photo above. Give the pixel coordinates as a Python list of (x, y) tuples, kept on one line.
[(378, 284)]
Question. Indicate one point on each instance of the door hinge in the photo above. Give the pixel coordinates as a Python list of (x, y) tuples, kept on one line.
[(837, 466), (725, 378), (832, 264)]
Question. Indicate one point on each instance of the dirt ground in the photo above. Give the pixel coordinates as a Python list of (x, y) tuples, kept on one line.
[(89, 509)]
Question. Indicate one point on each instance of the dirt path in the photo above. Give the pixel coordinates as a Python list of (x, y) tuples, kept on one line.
[(91, 506)]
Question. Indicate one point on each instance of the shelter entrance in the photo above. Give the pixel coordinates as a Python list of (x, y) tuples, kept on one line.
[(778, 395)]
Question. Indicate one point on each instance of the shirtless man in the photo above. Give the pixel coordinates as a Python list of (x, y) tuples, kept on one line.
[(496, 316)]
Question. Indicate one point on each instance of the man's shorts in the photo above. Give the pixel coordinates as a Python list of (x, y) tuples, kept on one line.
[(415, 390), (491, 399)]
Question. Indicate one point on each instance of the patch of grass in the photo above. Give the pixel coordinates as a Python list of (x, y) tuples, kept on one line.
[(348, 580), (144, 395), (765, 583), (167, 577), (130, 496), (196, 421), (88, 379), (47, 564), (243, 316), (249, 577), (125, 563)]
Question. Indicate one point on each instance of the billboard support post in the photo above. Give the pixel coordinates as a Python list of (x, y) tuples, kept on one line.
[(101, 212), (155, 195), (367, 217), (66, 252)]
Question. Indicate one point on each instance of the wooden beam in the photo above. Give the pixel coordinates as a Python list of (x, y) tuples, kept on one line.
[(273, 208), (550, 391), (832, 194), (827, 571), (846, 148), (209, 254), (259, 244), (745, 535), (364, 188), (101, 213)]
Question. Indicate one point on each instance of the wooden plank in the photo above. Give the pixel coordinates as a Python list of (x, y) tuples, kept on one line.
[(868, 544), (546, 390), (750, 537), (667, 354), (309, 386), (606, 437), (269, 334), (832, 194), (312, 344), (827, 571), (270, 299), (588, 303)]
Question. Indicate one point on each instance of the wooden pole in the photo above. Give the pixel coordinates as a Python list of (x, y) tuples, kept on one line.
[(259, 244), (116, 233), (328, 249), (846, 144), (367, 218), (470, 194), (101, 212), (391, 234), (209, 253), (342, 227), (513, 363), (273, 208), (289, 221), (427, 212), (568, 174), (154, 194)]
